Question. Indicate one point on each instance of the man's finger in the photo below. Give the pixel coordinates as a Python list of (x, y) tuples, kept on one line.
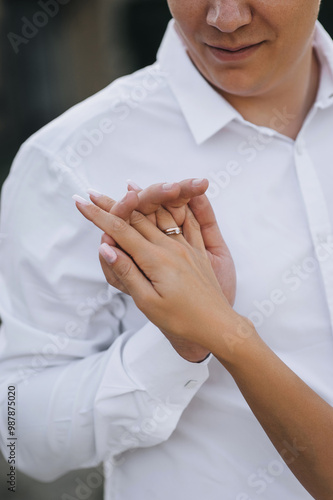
[(132, 186), (125, 207), (151, 198), (173, 197), (204, 214), (190, 188), (192, 231)]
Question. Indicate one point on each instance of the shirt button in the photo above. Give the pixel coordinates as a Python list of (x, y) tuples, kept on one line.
[(191, 384)]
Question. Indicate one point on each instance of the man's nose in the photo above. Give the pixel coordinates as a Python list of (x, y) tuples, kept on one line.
[(229, 15)]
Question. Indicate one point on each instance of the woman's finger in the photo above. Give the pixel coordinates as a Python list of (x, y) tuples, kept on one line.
[(107, 239), (111, 278), (109, 274), (147, 201), (101, 200), (191, 228), (136, 240), (116, 263), (122, 208), (164, 221)]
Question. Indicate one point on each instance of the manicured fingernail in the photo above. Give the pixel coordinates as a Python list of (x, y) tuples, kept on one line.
[(94, 193), (133, 185), (81, 200), (197, 182), (108, 254), (167, 187)]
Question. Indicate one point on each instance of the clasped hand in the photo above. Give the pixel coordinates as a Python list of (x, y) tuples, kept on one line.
[(185, 284)]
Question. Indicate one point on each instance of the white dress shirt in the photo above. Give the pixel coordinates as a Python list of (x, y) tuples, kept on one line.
[(96, 381)]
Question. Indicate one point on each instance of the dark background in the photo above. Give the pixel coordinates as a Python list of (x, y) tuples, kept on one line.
[(80, 50)]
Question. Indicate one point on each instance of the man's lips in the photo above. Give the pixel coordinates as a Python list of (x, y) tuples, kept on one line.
[(234, 49), (233, 54)]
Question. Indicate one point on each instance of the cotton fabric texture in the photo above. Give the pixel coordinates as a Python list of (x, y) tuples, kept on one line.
[(96, 381)]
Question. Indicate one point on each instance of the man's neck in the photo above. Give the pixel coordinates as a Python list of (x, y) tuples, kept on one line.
[(293, 101)]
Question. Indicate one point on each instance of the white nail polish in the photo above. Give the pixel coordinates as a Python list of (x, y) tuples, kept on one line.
[(133, 185), (108, 254), (197, 182), (167, 187), (81, 200), (94, 193)]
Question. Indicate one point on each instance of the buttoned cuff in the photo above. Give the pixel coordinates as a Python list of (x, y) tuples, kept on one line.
[(151, 361)]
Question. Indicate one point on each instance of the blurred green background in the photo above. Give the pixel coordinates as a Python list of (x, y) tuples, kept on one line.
[(80, 50)]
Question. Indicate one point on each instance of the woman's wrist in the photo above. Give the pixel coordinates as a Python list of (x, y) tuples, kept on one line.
[(237, 340)]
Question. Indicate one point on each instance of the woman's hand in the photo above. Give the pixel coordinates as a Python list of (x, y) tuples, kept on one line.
[(175, 199), (170, 278)]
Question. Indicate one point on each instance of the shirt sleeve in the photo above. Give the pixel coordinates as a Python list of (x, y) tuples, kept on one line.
[(93, 377)]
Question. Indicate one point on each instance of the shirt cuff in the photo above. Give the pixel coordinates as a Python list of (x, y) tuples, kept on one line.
[(151, 361)]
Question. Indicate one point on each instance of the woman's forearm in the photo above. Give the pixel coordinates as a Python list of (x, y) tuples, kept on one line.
[(293, 416), (173, 283)]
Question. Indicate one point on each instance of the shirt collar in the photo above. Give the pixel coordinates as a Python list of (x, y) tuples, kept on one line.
[(206, 111)]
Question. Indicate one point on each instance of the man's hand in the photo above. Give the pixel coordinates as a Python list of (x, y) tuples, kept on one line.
[(216, 248)]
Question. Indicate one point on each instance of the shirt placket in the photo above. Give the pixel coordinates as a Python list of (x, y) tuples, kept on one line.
[(318, 218)]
